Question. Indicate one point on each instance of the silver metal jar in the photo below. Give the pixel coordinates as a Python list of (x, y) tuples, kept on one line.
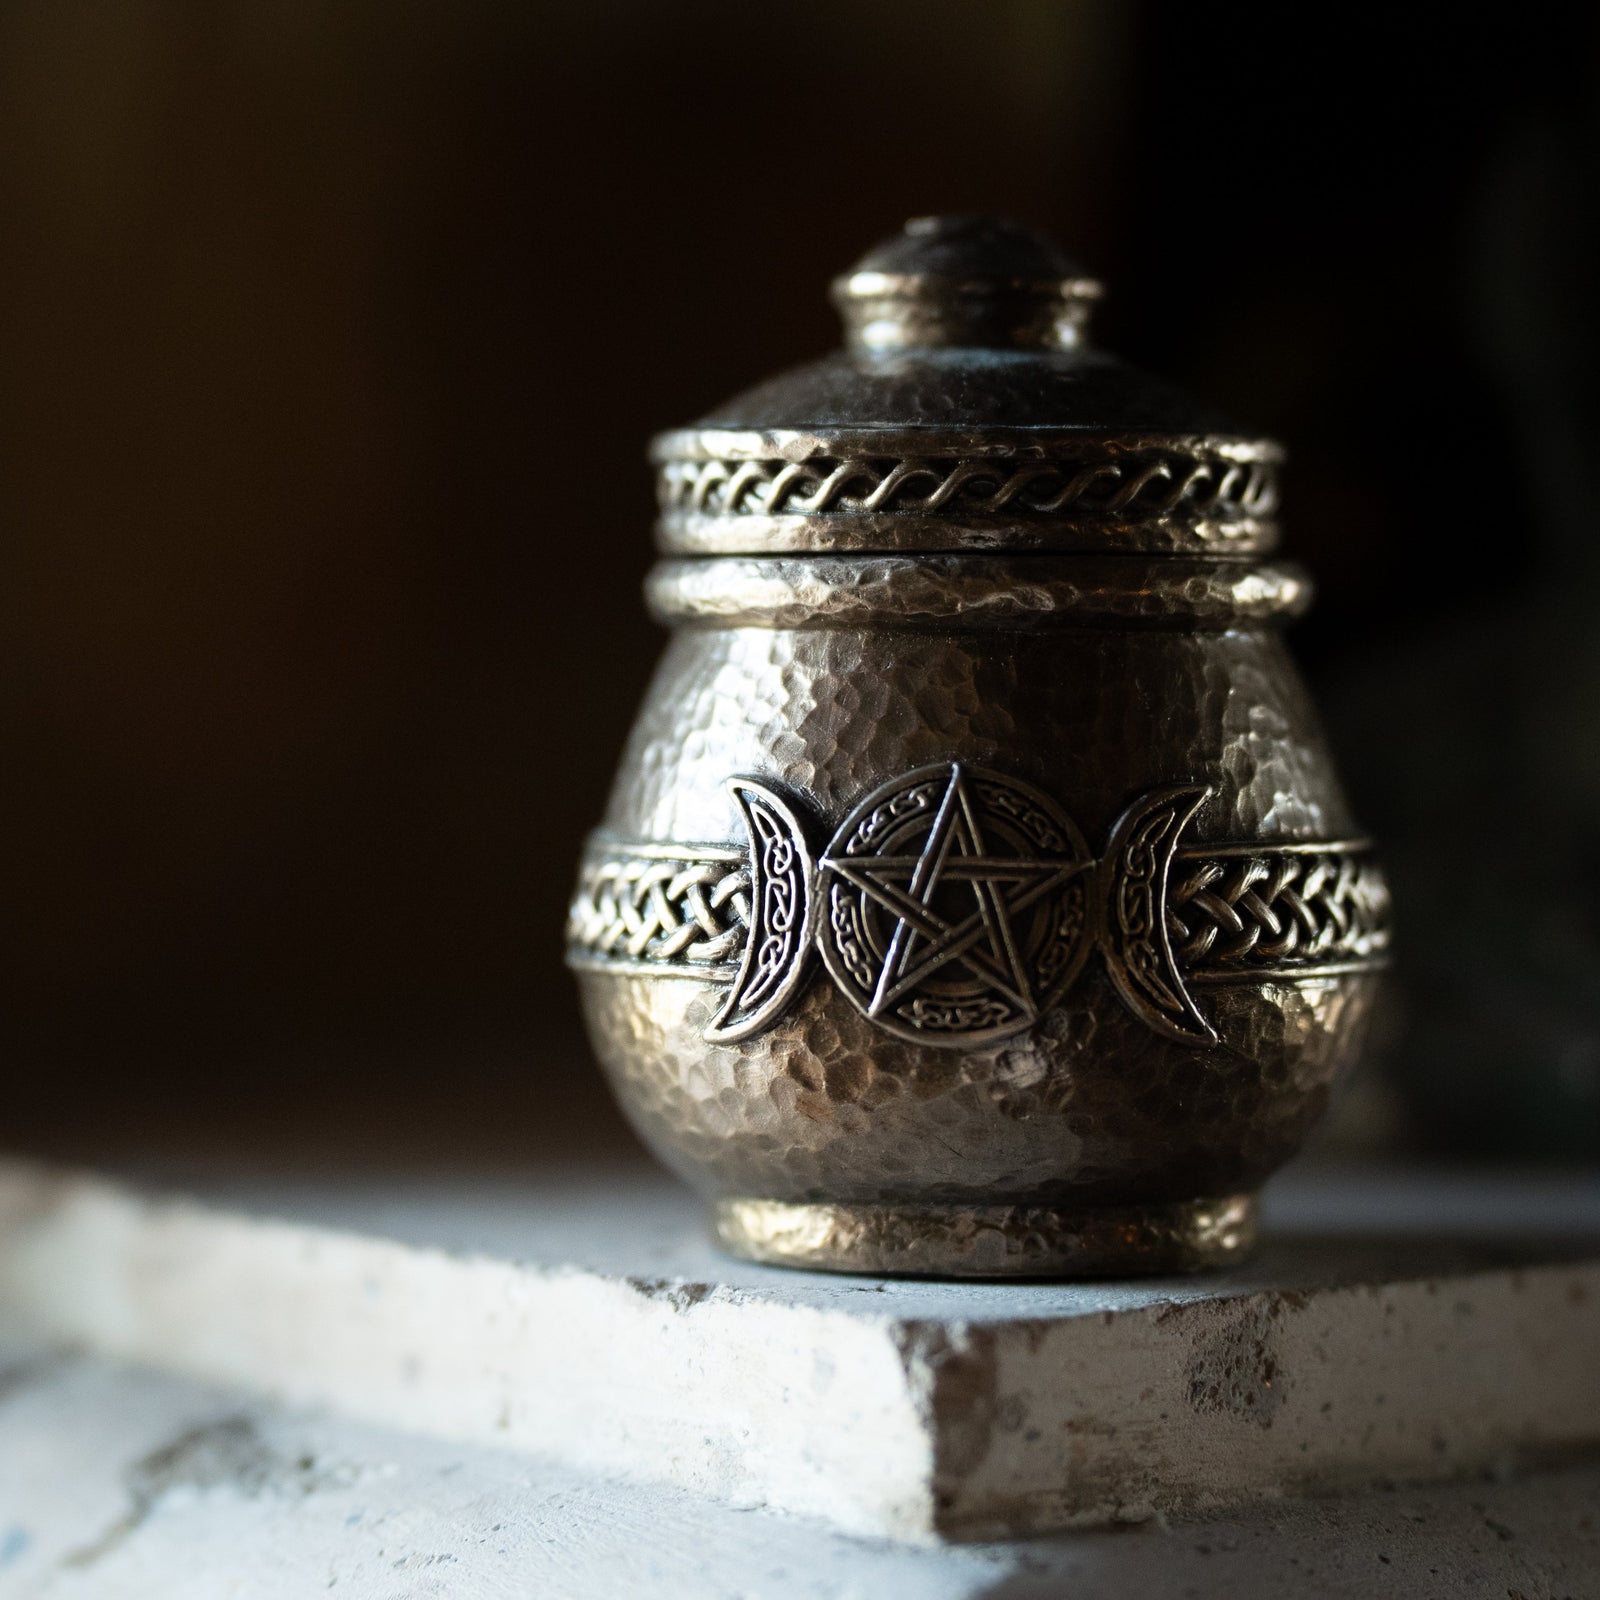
[(976, 896)]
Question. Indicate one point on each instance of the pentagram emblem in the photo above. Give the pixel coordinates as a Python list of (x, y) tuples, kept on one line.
[(954, 905)]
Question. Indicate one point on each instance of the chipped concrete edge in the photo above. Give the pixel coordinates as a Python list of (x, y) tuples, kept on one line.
[(700, 1386), (1185, 1407)]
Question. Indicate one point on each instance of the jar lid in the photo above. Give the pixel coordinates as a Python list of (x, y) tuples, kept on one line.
[(966, 411)]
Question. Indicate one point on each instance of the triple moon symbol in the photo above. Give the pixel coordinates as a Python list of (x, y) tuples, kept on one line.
[(955, 905)]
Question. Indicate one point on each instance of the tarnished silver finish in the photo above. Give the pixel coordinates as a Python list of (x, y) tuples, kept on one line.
[(974, 693)]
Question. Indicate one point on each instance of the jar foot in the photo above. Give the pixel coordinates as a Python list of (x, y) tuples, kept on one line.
[(974, 1241)]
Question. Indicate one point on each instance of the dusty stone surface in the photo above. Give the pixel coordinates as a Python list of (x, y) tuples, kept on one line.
[(586, 1323), (123, 1484)]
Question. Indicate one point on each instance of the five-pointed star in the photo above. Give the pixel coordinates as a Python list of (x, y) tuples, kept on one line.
[(984, 942)]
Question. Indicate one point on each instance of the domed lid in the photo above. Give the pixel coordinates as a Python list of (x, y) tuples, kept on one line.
[(966, 411)]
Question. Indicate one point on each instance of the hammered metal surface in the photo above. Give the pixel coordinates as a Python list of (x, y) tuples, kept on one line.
[(1086, 1107), (1087, 1104), (1092, 717)]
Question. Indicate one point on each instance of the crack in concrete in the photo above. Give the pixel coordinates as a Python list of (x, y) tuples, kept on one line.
[(229, 1453)]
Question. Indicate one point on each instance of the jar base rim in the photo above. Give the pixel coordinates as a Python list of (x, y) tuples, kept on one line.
[(995, 1241)]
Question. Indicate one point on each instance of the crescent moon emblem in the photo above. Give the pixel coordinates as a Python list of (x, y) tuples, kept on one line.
[(778, 945), (1133, 900)]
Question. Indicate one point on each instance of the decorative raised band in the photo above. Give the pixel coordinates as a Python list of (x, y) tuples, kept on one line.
[(1239, 913), (885, 907), (1157, 485), (906, 489)]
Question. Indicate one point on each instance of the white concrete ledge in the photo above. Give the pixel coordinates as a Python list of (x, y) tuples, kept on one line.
[(119, 1483), (586, 1322)]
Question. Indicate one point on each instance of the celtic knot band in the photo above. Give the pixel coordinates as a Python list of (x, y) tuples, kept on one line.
[(954, 906), (1287, 910), (660, 908)]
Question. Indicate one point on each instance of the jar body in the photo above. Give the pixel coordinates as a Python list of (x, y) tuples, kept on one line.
[(1089, 1107)]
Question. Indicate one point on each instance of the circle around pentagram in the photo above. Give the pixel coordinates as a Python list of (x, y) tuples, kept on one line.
[(954, 905)]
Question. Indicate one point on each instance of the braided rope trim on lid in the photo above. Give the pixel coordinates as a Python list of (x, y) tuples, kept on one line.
[(1195, 483)]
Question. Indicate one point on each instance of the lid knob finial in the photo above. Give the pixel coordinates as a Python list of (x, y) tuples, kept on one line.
[(972, 281)]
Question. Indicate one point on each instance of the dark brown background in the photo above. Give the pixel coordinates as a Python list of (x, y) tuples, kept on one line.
[(333, 335)]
